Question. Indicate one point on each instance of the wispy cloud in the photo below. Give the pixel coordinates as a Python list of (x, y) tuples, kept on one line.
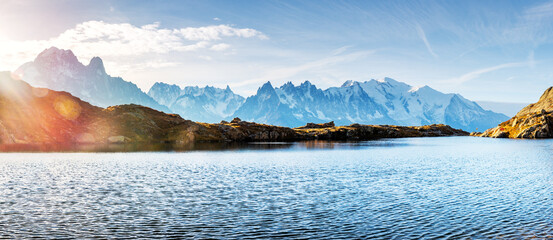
[(98, 38), (539, 11), (477, 73), (422, 35), (341, 50), (534, 25), (287, 72), (210, 33)]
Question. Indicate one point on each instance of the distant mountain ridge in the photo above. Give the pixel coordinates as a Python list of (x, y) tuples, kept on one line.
[(207, 104), (384, 101), (60, 70)]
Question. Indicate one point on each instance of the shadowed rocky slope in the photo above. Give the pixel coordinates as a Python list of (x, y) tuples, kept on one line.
[(533, 121), (39, 115)]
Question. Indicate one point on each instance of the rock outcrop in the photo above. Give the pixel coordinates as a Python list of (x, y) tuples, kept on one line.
[(318, 125), (545, 103), (41, 116), (533, 121), (367, 132)]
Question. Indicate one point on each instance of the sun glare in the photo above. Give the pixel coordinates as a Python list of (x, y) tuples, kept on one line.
[(67, 107)]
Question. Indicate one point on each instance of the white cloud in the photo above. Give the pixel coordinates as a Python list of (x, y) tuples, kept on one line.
[(120, 40), (220, 47), (216, 32), (207, 58), (216, 19)]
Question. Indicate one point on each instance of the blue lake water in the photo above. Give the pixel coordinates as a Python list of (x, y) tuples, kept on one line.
[(455, 187)]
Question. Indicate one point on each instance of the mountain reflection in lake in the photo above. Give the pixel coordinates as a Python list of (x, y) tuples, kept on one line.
[(202, 146), (457, 187)]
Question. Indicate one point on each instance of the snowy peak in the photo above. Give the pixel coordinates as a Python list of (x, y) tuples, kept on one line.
[(266, 91), (96, 64), (387, 80), (265, 88), (53, 57), (56, 53), (164, 86), (204, 104), (390, 83), (306, 84), (420, 89), (347, 83), (164, 93)]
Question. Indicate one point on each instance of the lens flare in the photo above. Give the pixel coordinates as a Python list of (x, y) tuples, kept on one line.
[(67, 107)]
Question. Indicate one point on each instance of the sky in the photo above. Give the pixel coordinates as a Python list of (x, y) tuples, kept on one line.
[(498, 51)]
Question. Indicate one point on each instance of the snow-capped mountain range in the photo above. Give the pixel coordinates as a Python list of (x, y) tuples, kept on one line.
[(60, 70), (383, 101), (207, 104)]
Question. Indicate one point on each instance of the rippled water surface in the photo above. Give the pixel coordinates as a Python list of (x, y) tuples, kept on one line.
[(458, 187)]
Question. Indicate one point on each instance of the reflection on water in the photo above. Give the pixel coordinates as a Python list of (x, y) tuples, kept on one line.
[(138, 147), (205, 146), (457, 188)]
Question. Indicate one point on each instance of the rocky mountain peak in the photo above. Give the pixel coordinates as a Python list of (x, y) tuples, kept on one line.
[(545, 103), (97, 64), (60, 70), (267, 87), (347, 83), (53, 55), (306, 84), (547, 95)]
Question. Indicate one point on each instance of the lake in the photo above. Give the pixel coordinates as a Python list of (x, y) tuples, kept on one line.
[(452, 187)]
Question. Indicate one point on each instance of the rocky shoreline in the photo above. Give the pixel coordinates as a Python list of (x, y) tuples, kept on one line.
[(533, 121), (31, 115)]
